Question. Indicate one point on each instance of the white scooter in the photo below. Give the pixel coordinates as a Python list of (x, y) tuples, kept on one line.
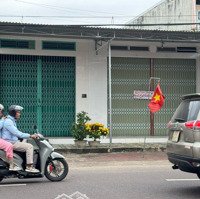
[(50, 164)]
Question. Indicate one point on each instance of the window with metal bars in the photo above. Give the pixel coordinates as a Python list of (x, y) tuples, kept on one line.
[(132, 48), (119, 47), (53, 45), (177, 50), (166, 49), (186, 49), (139, 48), (12, 43)]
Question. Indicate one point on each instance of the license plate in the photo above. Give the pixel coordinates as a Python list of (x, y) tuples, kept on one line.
[(175, 136)]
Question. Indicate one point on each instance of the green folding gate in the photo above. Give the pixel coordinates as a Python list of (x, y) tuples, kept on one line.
[(45, 87), (178, 77), (131, 117)]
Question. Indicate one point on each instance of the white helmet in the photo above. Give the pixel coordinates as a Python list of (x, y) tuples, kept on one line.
[(1, 107), (13, 109)]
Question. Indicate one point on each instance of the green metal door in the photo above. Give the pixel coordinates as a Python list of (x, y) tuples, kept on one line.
[(131, 117), (178, 77), (18, 84), (58, 95), (45, 87)]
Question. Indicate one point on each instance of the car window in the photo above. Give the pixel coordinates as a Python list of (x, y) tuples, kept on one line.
[(187, 111)]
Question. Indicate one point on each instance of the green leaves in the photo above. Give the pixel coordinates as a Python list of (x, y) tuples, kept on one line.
[(78, 129)]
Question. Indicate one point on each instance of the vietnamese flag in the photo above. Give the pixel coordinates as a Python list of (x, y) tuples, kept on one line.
[(157, 100)]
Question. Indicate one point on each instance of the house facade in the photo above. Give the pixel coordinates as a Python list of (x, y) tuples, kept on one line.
[(170, 12), (54, 72)]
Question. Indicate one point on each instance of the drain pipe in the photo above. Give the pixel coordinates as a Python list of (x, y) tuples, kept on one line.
[(109, 87), (110, 93)]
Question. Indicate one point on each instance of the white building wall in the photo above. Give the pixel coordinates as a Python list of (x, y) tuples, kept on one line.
[(168, 11), (91, 68), (152, 53), (91, 79), (91, 72)]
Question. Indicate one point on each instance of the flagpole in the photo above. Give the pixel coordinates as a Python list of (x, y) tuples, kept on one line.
[(151, 88), (151, 115)]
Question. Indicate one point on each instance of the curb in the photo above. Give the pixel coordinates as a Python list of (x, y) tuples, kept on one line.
[(106, 148)]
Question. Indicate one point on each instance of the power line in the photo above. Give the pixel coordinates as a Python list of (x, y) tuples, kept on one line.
[(62, 8), (89, 11), (47, 16), (84, 16)]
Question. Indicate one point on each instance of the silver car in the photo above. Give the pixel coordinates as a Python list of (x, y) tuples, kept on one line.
[(183, 145)]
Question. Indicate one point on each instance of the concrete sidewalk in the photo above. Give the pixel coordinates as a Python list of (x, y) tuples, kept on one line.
[(121, 159), (118, 144)]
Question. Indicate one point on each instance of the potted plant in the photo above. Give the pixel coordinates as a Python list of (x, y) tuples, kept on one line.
[(79, 131), (95, 131)]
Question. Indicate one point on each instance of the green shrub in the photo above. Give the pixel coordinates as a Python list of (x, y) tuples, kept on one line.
[(79, 131)]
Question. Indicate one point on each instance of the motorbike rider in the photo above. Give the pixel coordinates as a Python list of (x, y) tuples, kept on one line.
[(7, 146), (11, 134)]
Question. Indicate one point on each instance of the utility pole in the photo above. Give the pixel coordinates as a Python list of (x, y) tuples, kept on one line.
[(151, 88)]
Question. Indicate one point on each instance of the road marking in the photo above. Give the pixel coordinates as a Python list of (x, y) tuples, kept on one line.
[(12, 185), (173, 180)]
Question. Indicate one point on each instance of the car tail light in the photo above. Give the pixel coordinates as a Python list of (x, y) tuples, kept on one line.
[(189, 124), (193, 124), (197, 124)]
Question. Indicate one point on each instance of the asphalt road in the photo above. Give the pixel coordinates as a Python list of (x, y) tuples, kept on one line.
[(110, 176)]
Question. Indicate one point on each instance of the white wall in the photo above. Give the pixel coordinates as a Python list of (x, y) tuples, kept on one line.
[(91, 79), (169, 11), (152, 53), (91, 68), (91, 73)]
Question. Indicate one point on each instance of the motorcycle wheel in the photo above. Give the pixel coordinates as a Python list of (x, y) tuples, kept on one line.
[(56, 169)]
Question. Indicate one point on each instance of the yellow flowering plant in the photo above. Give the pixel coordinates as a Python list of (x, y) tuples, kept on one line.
[(96, 130)]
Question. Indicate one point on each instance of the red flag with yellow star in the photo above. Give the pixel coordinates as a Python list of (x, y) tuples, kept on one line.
[(157, 100)]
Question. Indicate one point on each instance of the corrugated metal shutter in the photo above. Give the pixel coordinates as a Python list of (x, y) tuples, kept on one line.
[(178, 77), (58, 95), (131, 116), (19, 85)]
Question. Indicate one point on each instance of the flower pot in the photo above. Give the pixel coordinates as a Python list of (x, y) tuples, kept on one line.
[(94, 143), (80, 143)]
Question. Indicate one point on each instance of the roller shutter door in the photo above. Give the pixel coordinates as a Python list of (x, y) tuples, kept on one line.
[(45, 87), (131, 117)]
